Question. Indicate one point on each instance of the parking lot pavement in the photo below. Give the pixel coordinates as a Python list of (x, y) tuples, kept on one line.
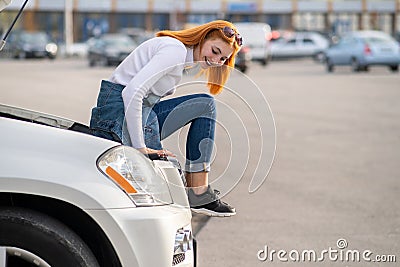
[(335, 175)]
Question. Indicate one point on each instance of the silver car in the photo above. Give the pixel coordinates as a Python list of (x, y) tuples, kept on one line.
[(300, 44), (361, 49)]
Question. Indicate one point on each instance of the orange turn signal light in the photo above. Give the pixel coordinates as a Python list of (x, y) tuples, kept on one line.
[(120, 180)]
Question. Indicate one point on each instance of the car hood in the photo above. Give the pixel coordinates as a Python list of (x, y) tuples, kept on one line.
[(35, 117), (57, 161)]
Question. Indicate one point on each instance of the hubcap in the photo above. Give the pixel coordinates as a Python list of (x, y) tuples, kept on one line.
[(7, 252)]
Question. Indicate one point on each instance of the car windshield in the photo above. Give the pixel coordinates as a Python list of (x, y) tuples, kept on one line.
[(34, 38), (376, 39), (118, 41)]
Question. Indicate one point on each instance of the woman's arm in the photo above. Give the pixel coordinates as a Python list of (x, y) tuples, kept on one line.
[(168, 57)]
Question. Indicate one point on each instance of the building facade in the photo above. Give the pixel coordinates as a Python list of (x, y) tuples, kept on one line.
[(91, 17)]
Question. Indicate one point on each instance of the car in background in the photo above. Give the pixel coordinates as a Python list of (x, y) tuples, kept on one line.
[(110, 49), (397, 37), (300, 44), (139, 35), (256, 36), (362, 49), (243, 58), (35, 44), (68, 198), (77, 49)]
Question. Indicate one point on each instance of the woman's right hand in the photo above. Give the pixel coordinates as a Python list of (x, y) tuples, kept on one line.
[(160, 153)]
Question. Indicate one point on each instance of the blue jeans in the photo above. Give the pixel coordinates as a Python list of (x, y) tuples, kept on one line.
[(160, 120), (170, 115)]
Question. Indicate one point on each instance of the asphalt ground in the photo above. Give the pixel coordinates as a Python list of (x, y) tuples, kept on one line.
[(334, 183)]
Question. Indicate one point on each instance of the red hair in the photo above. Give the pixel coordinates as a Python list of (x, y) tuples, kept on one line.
[(216, 76)]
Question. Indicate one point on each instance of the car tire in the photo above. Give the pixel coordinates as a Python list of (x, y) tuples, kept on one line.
[(319, 57), (329, 65), (103, 62), (355, 65), (39, 238), (21, 55), (394, 68), (264, 62), (92, 63), (109, 63)]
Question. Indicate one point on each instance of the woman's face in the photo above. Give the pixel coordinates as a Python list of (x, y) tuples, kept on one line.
[(214, 52)]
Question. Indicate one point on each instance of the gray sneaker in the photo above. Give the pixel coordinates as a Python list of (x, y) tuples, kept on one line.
[(208, 203)]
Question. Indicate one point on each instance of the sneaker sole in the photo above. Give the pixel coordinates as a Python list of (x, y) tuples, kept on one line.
[(212, 213)]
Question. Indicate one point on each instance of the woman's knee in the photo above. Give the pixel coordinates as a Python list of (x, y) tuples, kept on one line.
[(209, 102)]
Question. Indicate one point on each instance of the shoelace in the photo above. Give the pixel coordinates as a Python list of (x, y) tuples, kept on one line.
[(217, 193)]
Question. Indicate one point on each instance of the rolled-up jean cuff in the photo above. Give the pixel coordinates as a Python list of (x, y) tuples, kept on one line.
[(197, 167)]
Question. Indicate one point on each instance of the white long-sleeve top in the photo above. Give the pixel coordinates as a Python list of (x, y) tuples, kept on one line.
[(155, 66)]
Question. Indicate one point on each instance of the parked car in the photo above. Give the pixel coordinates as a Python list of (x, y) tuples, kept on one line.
[(78, 49), (256, 36), (362, 49), (110, 49), (300, 44), (243, 58), (37, 44), (397, 37), (68, 198), (139, 35)]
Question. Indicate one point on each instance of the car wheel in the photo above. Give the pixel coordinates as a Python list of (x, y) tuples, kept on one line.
[(355, 66), (329, 65), (21, 55), (103, 62), (394, 68), (28, 237), (109, 63), (319, 57), (264, 62)]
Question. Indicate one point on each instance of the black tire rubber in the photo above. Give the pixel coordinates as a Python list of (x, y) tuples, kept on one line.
[(329, 65), (43, 236), (355, 66), (394, 68)]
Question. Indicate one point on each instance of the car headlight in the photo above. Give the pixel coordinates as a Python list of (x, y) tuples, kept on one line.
[(135, 175), (51, 48)]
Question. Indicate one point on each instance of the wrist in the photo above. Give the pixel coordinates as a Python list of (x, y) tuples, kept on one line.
[(143, 150)]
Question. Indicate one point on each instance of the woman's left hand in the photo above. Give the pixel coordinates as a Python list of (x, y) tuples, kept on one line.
[(161, 153)]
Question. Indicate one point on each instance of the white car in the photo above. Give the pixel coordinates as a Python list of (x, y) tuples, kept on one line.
[(300, 44), (256, 36), (68, 198)]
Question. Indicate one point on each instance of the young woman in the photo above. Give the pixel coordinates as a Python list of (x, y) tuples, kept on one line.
[(129, 109)]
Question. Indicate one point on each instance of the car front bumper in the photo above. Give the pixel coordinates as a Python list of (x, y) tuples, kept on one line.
[(146, 236)]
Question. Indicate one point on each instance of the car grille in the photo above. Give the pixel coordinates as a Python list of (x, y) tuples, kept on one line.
[(178, 258)]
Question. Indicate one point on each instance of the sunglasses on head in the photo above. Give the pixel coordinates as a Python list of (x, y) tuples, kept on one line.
[(229, 32)]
